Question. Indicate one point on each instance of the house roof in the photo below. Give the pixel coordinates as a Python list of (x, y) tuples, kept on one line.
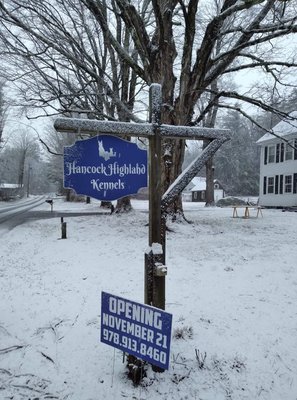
[(284, 128), (199, 183), (9, 186)]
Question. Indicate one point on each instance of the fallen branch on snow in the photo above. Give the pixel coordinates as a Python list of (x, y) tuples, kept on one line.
[(11, 348)]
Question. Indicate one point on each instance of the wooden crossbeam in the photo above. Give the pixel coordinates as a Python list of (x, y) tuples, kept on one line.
[(93, 126)]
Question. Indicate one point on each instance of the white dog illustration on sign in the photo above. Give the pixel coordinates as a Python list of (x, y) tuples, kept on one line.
[(104, 153)]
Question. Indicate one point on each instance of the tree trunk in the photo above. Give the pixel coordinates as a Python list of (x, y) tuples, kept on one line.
[(209, 195), (68, 194), (128, 87), (22, 169), (105, 204), (210, 123), (123, 205), (173, 154)]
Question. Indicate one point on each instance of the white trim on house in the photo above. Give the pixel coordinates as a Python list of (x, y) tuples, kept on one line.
[(278, 165)]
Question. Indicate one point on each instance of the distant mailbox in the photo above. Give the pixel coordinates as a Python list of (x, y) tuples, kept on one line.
[(105, 167), (137, 329)]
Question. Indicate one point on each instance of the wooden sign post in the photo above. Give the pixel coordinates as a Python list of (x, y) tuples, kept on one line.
[(155, 268)]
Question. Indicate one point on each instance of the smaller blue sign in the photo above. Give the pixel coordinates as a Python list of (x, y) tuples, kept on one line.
[(137, 329), (105, 167)]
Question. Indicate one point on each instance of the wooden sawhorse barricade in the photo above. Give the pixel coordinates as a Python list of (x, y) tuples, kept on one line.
[(247, 211)]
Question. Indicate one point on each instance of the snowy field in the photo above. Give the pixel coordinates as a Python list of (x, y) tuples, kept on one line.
[(231, 287)]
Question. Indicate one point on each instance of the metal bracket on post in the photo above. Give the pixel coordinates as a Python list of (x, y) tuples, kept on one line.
[(154, 281), (155, 272), (160, 269)]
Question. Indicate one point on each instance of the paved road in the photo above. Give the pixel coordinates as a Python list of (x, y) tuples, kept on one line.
[(18, 208), (23, 211)]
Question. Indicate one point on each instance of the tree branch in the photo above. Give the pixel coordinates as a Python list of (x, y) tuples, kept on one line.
[(48, 148), (137, 28), (96, 9), (237, 96)]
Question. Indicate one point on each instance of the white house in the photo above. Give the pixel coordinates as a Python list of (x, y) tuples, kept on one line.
[(278, 168), (197, 187)]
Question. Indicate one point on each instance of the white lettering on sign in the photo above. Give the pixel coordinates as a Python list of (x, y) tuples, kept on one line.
[(136, 312), (135, 347), (128, 327), (98, 185), (136, 328), (106, 170)]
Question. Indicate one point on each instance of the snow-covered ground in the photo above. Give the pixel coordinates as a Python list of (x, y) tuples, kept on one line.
[(231, 287)]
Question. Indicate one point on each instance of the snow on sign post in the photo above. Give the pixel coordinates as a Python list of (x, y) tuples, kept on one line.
[(105, 167), (137, 329)]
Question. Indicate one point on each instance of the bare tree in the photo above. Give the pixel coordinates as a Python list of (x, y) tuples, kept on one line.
[(3, 112), (54, 144), (82, 73), (26, 148), (97, 54)]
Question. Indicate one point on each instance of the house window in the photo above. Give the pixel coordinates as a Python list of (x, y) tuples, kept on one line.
[(288, 183), (271, 154), (295, 183), (276, 184), (203, 195), (270, 185), (282, 152), (277, 152), (289, 151), (281, 181)]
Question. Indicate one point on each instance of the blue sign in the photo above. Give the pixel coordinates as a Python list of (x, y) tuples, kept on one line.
[(105, 167), (137, 329)]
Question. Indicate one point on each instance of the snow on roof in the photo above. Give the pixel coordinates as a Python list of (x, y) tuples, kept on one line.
[(199, 184), (9, 185), (284, 128)]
